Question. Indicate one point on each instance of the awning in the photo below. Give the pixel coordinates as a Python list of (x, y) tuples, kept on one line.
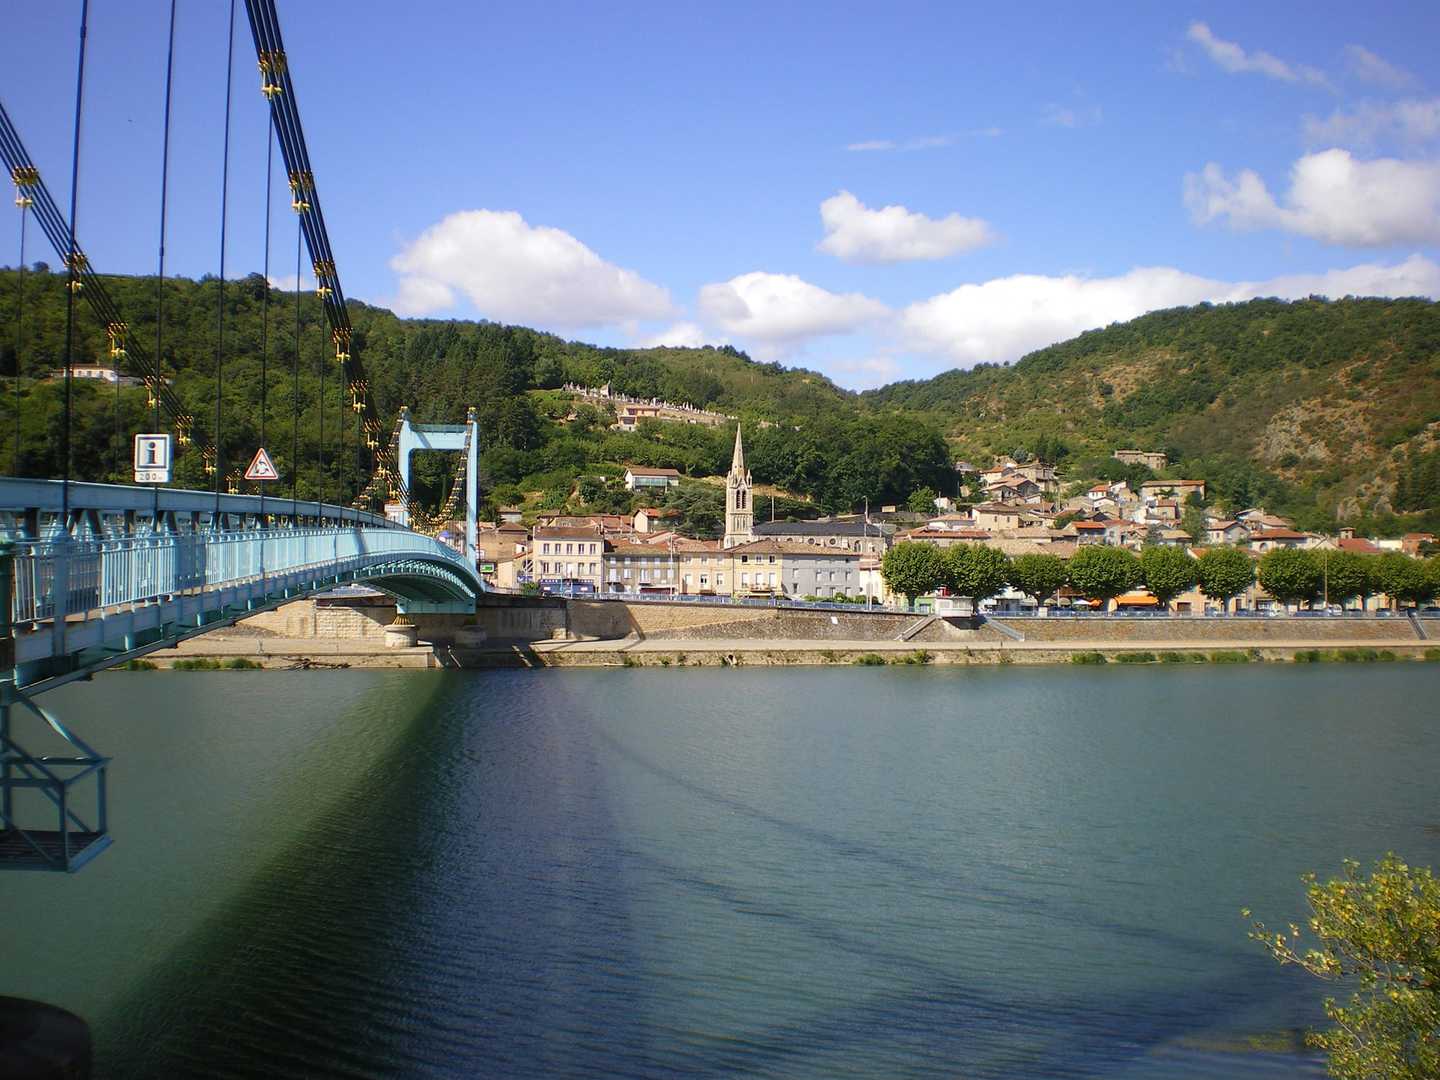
[(1137, 599)]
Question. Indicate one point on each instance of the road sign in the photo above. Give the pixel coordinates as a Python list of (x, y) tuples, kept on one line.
[(152, 459), (261, 467)]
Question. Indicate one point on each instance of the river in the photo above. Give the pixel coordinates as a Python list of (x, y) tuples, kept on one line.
[(903, 872)]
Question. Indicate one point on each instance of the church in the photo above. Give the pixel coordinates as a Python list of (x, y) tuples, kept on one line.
[(739, 510)]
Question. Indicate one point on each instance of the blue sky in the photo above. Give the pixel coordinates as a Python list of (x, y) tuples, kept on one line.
[(873, 192)]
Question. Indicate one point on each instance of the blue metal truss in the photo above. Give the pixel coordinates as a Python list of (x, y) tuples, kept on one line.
[(106, 573)]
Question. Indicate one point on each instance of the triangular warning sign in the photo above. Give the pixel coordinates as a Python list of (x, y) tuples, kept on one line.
[(261, 467)]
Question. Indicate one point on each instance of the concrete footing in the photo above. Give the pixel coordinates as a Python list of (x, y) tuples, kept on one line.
[(42, 1042)]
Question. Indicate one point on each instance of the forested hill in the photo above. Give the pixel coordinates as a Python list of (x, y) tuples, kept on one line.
[(804, 434), (1318, 406), (1317, 409)]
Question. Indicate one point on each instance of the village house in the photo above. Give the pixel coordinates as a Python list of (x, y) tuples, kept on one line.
[(1179, 489), (568, 557), (1412, 543), (628, 417), (641, 568), (944, 538), (865, 537), (704, 567), (640, 478), (781, 568), (993, 517), (1153, 460), (650, 519), (1016, 489), (1087, 532), (1227, 531), (1263, 540)]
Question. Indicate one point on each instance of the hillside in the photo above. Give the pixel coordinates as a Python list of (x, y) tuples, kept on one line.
[(804, 434), (1320, 408)]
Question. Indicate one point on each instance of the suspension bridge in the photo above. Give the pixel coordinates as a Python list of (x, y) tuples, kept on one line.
[(93, 575)]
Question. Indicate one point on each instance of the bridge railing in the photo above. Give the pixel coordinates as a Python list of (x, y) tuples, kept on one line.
[(100, 574)]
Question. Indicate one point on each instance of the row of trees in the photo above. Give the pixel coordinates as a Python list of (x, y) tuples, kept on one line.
[(1304, 575), (1102, 573)]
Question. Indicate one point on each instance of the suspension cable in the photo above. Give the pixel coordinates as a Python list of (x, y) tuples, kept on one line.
[(92, 286), (155, 394), (24, 202), (265, 297), (73, 263), (220, 317), (320, 444), (295, 390)]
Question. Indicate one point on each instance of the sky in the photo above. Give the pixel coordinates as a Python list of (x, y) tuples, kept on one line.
[(872, 191)]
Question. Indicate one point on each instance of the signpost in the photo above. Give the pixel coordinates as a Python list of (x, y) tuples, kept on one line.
[(152, 459), (261, 467)]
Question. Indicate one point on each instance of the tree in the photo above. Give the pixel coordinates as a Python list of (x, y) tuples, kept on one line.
[(976, 571), (1224, 573), (1193, 523), (921, 501), (1103, 573), (1038, 575), (1169, 571), (912, 569), (1381, 934), (1404, 579), (1348, 574), (1291, 575)]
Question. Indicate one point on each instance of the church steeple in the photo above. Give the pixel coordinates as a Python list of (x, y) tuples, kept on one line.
[(739, 514)]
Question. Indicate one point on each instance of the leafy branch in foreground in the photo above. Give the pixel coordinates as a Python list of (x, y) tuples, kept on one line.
[(1381, 935)]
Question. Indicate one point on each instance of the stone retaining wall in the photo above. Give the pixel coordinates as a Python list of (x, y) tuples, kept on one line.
[(1218, 630)]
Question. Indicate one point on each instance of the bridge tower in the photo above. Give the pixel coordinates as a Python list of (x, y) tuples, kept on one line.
[(463, 437)]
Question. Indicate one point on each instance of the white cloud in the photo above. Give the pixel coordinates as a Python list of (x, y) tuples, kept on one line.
[(516, 272), (923, 142), (1332, 197), (780, 309), (1002, 319), (680, 335), (856, 233), (1067, 116), (286, 282), (1229, 56), (1368, 67), (869, 372), (1406, 122)]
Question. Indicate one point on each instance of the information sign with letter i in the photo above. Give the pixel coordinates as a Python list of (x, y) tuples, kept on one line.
[(261, 467), (152, 459)]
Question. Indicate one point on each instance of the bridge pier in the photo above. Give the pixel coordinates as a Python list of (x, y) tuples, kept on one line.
[(42, 1042)]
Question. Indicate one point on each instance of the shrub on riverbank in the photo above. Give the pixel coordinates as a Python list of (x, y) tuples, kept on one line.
[(138, 665), (919, 656), (869, 659), (1230, 656), (1135, 658), (1088, 658), (1351, 656), (1172, 657)]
